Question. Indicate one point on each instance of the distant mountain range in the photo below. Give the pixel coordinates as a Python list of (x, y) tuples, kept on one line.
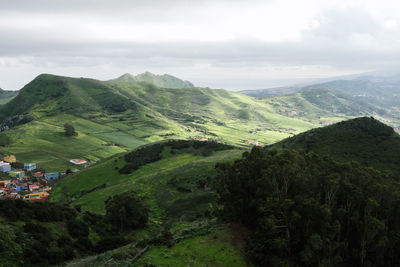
[(166, 80), (6, 96), (362, 95)]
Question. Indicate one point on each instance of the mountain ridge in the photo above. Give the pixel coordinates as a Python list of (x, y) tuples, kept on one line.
[(165, 80), (114, 117)]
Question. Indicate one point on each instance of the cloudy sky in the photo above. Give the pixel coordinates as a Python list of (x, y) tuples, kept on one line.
[(230, 44)]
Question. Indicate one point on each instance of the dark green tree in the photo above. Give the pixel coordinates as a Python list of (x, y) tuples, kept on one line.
[(69, 130), (4, 139), (307, 210), (126, 211)]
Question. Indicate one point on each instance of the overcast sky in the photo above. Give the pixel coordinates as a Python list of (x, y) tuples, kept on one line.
[(230, 44)]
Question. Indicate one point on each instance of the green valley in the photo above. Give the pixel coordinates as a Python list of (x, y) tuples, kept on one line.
[(116, 116)]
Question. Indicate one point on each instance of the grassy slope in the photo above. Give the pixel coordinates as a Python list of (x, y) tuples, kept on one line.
[(343, 99), (45, 143), (322, 103), (158, 181), (213, 249), (363, 139), (150, 114)]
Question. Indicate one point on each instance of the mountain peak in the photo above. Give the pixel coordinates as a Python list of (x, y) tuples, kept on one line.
[(127, 77), (366, 125), (165, 80)]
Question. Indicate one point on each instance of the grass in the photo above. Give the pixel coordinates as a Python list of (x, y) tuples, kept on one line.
[(160, 182), (213, 249), (171, 189), (46, 144)]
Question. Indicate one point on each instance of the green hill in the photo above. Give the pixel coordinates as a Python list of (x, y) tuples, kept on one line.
[(173, 174), (379, 92), (165, 80), (176, 178), (363, 96), (323, 103), (364, 140), (112, 117), (362, 88), (327, 196), (336, 102)]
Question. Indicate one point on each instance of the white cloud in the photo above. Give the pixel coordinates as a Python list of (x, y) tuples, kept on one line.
[(231, 44)]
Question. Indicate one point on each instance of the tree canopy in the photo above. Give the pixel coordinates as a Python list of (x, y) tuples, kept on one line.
[(4, 139), (307, 210), (126, 210), (69, 130)]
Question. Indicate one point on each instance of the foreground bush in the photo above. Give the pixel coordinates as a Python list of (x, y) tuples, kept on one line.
[(126, 211)]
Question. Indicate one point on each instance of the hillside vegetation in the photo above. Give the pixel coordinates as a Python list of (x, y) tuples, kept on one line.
[(177, 178), (366, 95), (323, 197), (48, 234), (377, 91), (114, 117), (364, 140), (177, 182), (331, 202)]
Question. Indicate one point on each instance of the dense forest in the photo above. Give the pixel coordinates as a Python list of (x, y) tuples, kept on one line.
[(45, 233), (307, 210), (364, 139)]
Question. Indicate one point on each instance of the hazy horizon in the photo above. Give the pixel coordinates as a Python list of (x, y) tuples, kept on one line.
[(235, 45)]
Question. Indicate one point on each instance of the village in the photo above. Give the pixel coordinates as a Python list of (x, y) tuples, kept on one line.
[(24, 181)]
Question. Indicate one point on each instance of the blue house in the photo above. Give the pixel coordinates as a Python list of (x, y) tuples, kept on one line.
[(51, 176), (29, 166), (20, 187)]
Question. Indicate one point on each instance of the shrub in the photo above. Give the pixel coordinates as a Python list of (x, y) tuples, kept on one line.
[(69, 130), (77, 228), (4, 139), (126, 211)]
